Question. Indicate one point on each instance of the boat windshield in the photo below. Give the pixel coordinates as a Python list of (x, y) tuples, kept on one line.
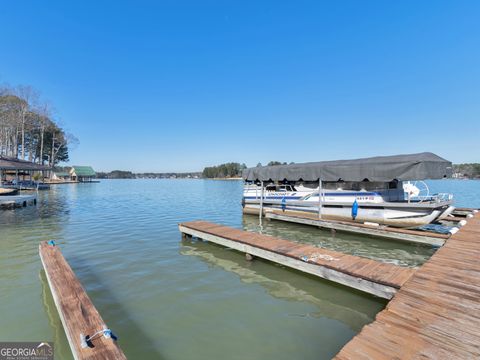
[(280, 188)]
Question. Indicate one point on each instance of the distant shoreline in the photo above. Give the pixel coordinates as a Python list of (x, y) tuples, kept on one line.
[(225, 178), (171, 178)]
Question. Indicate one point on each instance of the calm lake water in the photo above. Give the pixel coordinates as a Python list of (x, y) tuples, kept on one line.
[(173, 299)]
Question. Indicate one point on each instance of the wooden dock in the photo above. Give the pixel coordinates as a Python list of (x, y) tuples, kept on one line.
[(76, 310), (17, 200), (363, 274), (386, 232), (435, 315)]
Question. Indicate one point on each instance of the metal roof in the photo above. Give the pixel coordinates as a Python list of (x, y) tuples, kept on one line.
[(7, 163), (83, 171)]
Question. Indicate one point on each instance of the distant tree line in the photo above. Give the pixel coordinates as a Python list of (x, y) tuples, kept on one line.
[(28, 130), (227, 170), (169, 175), (121, 174), (275, 163), (116, 174), (232, 169), (471, 170)]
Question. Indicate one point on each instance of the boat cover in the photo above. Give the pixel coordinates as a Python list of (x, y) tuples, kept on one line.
[(380, 168)]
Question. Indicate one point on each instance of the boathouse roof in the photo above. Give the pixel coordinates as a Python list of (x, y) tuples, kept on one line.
[(380, 168), (83, 171), (8, 163)]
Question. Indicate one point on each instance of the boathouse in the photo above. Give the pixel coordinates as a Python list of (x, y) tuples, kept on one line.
[(14, 170), (82, 173)]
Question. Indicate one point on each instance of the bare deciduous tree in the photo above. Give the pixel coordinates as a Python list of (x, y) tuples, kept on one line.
[(28, 129)]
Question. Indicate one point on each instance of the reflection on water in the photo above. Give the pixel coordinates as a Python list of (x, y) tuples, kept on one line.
[(169, 299), (62, 350), (286, 284)]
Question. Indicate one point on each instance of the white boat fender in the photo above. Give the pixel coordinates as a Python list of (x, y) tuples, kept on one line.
[(475, 211), (453, 230), (371, 223), (462, 222), (469, 216)]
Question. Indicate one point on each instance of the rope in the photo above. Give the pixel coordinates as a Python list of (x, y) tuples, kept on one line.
[(107, 333)]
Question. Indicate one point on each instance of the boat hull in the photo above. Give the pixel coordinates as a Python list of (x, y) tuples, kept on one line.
[(386, 205), (387, 214)]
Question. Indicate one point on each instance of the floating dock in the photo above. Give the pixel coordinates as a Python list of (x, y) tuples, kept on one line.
[(374, 277), (79, 317), (435, 315), (17, 200)]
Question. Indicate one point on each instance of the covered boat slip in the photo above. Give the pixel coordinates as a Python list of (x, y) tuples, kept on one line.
[(362, 206), (380, 279), (15, 168)]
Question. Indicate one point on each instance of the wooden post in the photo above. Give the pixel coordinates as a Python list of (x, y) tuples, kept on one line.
[(320, 199), (408, 196), (260, 214)]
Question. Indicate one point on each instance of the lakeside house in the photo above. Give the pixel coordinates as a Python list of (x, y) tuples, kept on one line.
[(82, 173)]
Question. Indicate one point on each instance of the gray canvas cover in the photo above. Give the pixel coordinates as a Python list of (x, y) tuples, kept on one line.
[(380, 168)]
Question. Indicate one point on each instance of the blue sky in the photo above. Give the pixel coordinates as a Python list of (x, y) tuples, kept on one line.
[(179, 85)]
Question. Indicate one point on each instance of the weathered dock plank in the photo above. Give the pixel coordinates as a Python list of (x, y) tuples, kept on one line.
[(367, 275), (435, 315), (387, 232), (76, 310)]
